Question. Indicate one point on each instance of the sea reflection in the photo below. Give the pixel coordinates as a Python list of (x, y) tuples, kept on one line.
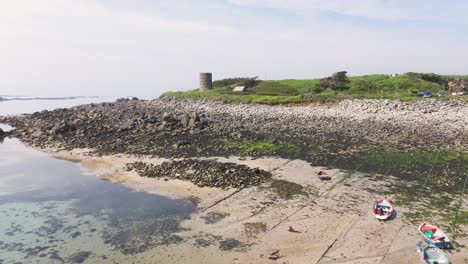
[(16, 107), (54, 212)]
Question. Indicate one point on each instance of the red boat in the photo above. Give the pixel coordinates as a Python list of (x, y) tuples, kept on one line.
[(324, 176)]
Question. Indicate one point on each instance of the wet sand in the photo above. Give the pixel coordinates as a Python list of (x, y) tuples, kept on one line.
[(334, 223)]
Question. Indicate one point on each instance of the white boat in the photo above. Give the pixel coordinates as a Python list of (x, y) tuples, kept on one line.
[(383, 209), (434, 236), (432, 255)]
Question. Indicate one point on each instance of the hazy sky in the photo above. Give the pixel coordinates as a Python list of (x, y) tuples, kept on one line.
[(145, 47)]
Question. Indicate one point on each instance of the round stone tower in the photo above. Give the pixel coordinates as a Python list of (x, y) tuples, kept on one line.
[(206, 81)]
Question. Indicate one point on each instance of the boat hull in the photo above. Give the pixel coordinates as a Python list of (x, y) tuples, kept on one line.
[(446, 243), (437, 244), (324, 176), (432, 255), (384, 217)]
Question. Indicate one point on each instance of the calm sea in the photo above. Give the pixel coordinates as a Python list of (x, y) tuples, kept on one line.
[(53, 211)]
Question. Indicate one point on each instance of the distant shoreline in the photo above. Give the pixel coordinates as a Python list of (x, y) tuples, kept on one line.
[(13, 98)]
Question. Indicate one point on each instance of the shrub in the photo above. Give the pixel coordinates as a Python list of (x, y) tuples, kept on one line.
[(361, 85), (412, 90), (316, 89), (432, 77), (238, 81), (337, 82)]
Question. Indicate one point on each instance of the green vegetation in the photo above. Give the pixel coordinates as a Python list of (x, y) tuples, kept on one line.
[(286, 189), (253, 229), (220, 94), (404, 160), (274, 89), (436, 191), (445, 169), (444, 208), (330, 89), (337, 82), (459, 218), (240, 81), (259, 148)]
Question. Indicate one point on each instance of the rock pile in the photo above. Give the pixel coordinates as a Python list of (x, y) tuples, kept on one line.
[(203, 173), (445, 123), (110, 127)]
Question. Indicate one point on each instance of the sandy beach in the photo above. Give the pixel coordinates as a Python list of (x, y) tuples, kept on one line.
[(333, 224)]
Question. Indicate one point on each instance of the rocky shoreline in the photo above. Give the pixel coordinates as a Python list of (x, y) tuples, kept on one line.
[(337, 135), (445, 123)]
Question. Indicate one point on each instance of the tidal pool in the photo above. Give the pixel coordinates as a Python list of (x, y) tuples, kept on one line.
[(53, 211)]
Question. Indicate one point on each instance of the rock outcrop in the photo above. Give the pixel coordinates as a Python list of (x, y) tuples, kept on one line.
[(204, 173), (457, 86), (3, 134)]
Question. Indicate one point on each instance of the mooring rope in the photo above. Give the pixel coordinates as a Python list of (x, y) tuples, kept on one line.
[(428, 175), (464, 187), (417, 198)]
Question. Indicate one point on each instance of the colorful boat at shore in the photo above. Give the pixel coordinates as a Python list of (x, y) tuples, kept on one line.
[(432, 255), (383, 209), (434, 236), (324, 176)]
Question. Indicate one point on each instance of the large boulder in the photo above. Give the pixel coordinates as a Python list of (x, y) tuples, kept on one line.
[(3, 134), (63, 128)]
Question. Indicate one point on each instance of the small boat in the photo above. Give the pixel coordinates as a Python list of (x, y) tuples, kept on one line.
[(383, 209), (434, 236), (432, 255), (324, 176)]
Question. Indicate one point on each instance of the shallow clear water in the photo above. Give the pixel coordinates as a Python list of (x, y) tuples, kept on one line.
[(52, 211), (15, 107)]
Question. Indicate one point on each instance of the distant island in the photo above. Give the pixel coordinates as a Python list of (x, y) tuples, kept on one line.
[(337, 87), (21, 98)]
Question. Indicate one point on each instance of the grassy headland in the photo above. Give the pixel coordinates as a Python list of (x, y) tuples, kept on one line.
[(330, 89)]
